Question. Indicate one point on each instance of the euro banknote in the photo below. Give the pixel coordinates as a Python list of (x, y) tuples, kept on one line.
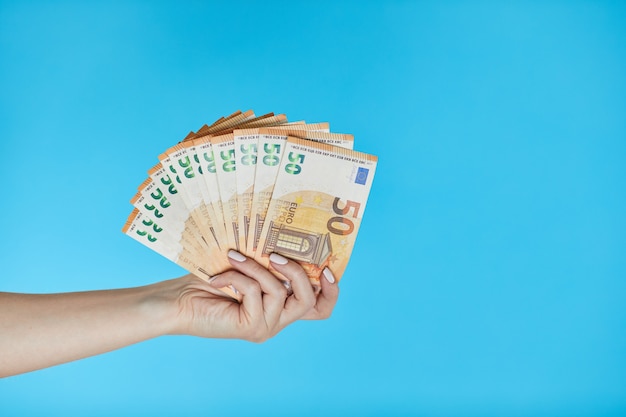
[(317, 206), (258, 185)]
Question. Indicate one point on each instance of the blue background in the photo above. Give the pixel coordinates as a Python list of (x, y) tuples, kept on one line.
[(489, 274)]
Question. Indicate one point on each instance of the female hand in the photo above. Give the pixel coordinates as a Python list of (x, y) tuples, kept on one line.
[(41, 330), (265, 308)]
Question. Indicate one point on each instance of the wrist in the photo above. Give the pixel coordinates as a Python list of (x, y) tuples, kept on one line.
[(168, 301), (160, 305)]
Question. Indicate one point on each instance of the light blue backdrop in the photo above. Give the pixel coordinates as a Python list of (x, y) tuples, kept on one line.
[(489, 274)]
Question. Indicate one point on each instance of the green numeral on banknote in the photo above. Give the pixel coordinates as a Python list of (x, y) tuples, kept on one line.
[(157, 213), (211, 162), (186, 164), (229, 157), (294, 168), (249, 154), (195, 158), (155, 228), (346, 225), (149, 222), (173, 172), (168, 181), (271, 159), (149, 237), (159, 196)]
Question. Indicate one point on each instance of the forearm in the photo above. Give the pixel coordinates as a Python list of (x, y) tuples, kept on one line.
[(41, 330)]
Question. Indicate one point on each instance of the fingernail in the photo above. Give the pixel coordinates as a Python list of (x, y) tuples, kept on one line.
[(212, 279), (329, 275), (287, 285), (278, 259), (236, 256)]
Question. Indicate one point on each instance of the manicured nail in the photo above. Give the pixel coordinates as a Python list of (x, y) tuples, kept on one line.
[(329, 276), (287, 285), (236, 256), (278, 259)]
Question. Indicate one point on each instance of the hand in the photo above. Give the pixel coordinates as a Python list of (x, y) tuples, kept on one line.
[(41, 330), (265, 307)]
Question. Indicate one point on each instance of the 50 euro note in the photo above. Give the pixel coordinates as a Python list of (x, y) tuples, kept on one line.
[(144, 230), (262, 121), (270, 149), (225, 164), (245, 145), (160, 196), (226, 124), (203, 165), (317, 206), (238, 120), (183, 163), (246, 152), (141, 227), (177, 209), (151, 200), (206, 165), (314, 127)]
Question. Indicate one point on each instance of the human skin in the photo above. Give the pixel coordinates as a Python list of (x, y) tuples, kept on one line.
[(42, 330)]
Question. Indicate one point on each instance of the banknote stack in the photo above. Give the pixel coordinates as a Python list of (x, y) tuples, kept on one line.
[(258, 185)]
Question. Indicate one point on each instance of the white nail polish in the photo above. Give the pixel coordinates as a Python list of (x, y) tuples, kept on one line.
[(278, 259), (287, 285), (329, 276), (236, 256)]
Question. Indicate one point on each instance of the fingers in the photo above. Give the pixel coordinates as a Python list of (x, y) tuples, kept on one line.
[(248, 289), (326, 299), (303, 298), (265, 295), (273, 291)]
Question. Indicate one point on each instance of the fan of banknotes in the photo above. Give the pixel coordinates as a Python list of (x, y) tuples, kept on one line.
[(259, 185)]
